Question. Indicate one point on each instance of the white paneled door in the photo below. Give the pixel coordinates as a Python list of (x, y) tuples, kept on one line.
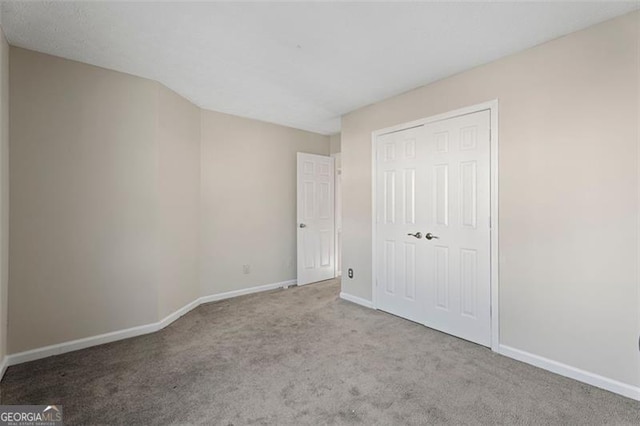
[(433, 225), (401, 206), (315, 218)]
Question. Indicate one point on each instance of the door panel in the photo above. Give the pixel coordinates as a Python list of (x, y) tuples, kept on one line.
[(441, 276), (459, 302), (435, 179), (410, 270), (400, 208), (316, 216)]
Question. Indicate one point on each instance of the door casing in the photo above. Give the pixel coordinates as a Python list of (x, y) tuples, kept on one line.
[(491, 106), (338, 212)]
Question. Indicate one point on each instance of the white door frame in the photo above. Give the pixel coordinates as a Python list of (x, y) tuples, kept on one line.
[(337, 156), (492, 106)]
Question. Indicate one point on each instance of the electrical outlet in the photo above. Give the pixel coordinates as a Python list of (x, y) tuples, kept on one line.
[(350, 273), (246, 269)]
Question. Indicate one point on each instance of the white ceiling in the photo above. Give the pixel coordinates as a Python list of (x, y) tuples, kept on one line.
[(297, 64)]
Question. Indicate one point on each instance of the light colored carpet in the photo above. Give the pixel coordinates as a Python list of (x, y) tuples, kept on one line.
[(303, 356)]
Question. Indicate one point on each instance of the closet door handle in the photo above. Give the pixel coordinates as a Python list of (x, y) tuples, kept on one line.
[(430, 236), (418, 235)]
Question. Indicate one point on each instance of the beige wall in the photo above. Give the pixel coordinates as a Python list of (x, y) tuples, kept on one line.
[(83, 201), (4, 191), (179, 212), (335, 144), (107, 201), (568, 191), (248, 200)]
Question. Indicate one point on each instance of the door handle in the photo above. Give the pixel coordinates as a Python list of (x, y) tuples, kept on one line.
[(418, 235), (430, 236), (302, 225)]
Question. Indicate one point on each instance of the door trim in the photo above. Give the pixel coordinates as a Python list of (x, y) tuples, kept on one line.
[(337, 176), (492, 107)]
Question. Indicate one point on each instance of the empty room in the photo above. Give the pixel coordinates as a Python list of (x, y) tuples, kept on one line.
[(291, 213)]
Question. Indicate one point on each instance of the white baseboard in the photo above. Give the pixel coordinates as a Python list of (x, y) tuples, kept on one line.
[(236, 293), (74, 345), (3, 367), (358, 300), (592, 379), (175, 315)]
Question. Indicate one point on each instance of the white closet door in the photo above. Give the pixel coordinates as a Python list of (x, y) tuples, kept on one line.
[(316, 216), (458, 260), (401, 210), (433, 181)]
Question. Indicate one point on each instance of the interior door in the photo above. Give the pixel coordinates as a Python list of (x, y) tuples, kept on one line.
[(458, 255), (433, 225), (315, 218), (400, 223)]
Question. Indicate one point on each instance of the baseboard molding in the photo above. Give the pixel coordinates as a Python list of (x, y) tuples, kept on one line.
[(3, 366), (236, 293), (74, 345), (357, 300), (592, 379), (175, 315)]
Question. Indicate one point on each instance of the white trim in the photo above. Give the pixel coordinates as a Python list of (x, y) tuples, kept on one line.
[(242, 292), (492, 106), (489, 105), (3, 367), (337, 232), (592, 379), (74, 345), (175, 315), (495, 226), (357, 300), (374, 221)]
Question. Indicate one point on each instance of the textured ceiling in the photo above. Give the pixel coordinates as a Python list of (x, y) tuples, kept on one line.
[(297, 64)]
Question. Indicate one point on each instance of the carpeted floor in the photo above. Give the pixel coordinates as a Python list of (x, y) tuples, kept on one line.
[(303, 356)]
